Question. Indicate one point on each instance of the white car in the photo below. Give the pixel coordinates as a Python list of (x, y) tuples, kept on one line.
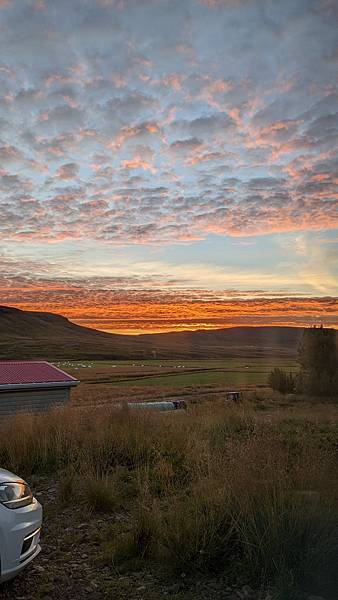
[(20, 525)]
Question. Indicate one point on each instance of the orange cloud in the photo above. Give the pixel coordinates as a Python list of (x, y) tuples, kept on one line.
[(138, 163), (160, 309), (128, 133)]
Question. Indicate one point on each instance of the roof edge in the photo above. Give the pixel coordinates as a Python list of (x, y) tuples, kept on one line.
[(60, 370), (30, 386)]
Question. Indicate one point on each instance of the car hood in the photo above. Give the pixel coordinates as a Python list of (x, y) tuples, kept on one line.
[(7, 476)]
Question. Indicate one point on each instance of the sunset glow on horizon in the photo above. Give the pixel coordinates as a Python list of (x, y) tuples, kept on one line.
[(169, 165)]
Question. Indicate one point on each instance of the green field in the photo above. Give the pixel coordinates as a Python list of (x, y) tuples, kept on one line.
[(174, 373), (199, 378)]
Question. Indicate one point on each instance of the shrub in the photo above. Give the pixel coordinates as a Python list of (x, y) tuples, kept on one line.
[(288, 539), (282, 382), (197, 533), (140, 543), (101, 493)]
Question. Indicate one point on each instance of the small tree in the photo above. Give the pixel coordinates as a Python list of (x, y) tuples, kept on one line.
[(281, 381), (318, 358)]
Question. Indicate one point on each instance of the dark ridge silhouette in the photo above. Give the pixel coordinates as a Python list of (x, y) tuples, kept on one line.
[(25, 334)]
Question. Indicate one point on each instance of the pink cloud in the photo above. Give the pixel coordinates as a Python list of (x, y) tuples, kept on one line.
[(173, 81)]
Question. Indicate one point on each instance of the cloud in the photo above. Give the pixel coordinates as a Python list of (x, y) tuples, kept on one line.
[(157, 123), (126, 109), (223, 3), (9, 154), (139, 132), (151, 300), (67, 171), (207, 125), (125, 310)]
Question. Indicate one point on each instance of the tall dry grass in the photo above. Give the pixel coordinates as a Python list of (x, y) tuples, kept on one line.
[(250, 493)]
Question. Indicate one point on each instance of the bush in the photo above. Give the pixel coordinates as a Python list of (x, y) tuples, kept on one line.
[(282, 382), (101, 493), (289, 539), (130, 549), (198, 534)]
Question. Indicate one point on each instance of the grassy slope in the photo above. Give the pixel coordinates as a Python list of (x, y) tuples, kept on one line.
[(46, 335)]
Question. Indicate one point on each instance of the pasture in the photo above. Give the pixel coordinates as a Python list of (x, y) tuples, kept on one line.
[(166, 374)]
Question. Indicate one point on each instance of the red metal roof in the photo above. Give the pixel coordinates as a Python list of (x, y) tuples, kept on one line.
[(31, 371)]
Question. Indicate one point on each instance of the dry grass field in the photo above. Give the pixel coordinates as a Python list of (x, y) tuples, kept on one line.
[(219, 501)]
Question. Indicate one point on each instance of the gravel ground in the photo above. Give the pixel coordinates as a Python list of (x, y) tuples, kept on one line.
[(66, 569)]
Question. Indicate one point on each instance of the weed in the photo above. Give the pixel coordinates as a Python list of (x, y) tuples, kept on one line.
[(101, 493)]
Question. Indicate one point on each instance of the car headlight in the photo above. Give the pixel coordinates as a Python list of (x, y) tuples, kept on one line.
[(15, 495)]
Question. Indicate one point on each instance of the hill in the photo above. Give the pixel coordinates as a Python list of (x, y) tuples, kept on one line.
[(25, 334)]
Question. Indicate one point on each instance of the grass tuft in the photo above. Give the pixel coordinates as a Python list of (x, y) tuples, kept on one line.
[(101, 493)]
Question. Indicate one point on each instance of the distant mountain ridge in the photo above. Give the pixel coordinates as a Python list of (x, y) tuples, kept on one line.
[(26, 334)]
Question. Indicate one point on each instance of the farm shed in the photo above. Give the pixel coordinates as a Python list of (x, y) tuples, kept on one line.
[(32, 385)]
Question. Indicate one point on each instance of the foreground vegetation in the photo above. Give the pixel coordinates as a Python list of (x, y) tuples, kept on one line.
[(248, 493)]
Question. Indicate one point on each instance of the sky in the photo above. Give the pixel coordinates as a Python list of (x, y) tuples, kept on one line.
[(168, 164)]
